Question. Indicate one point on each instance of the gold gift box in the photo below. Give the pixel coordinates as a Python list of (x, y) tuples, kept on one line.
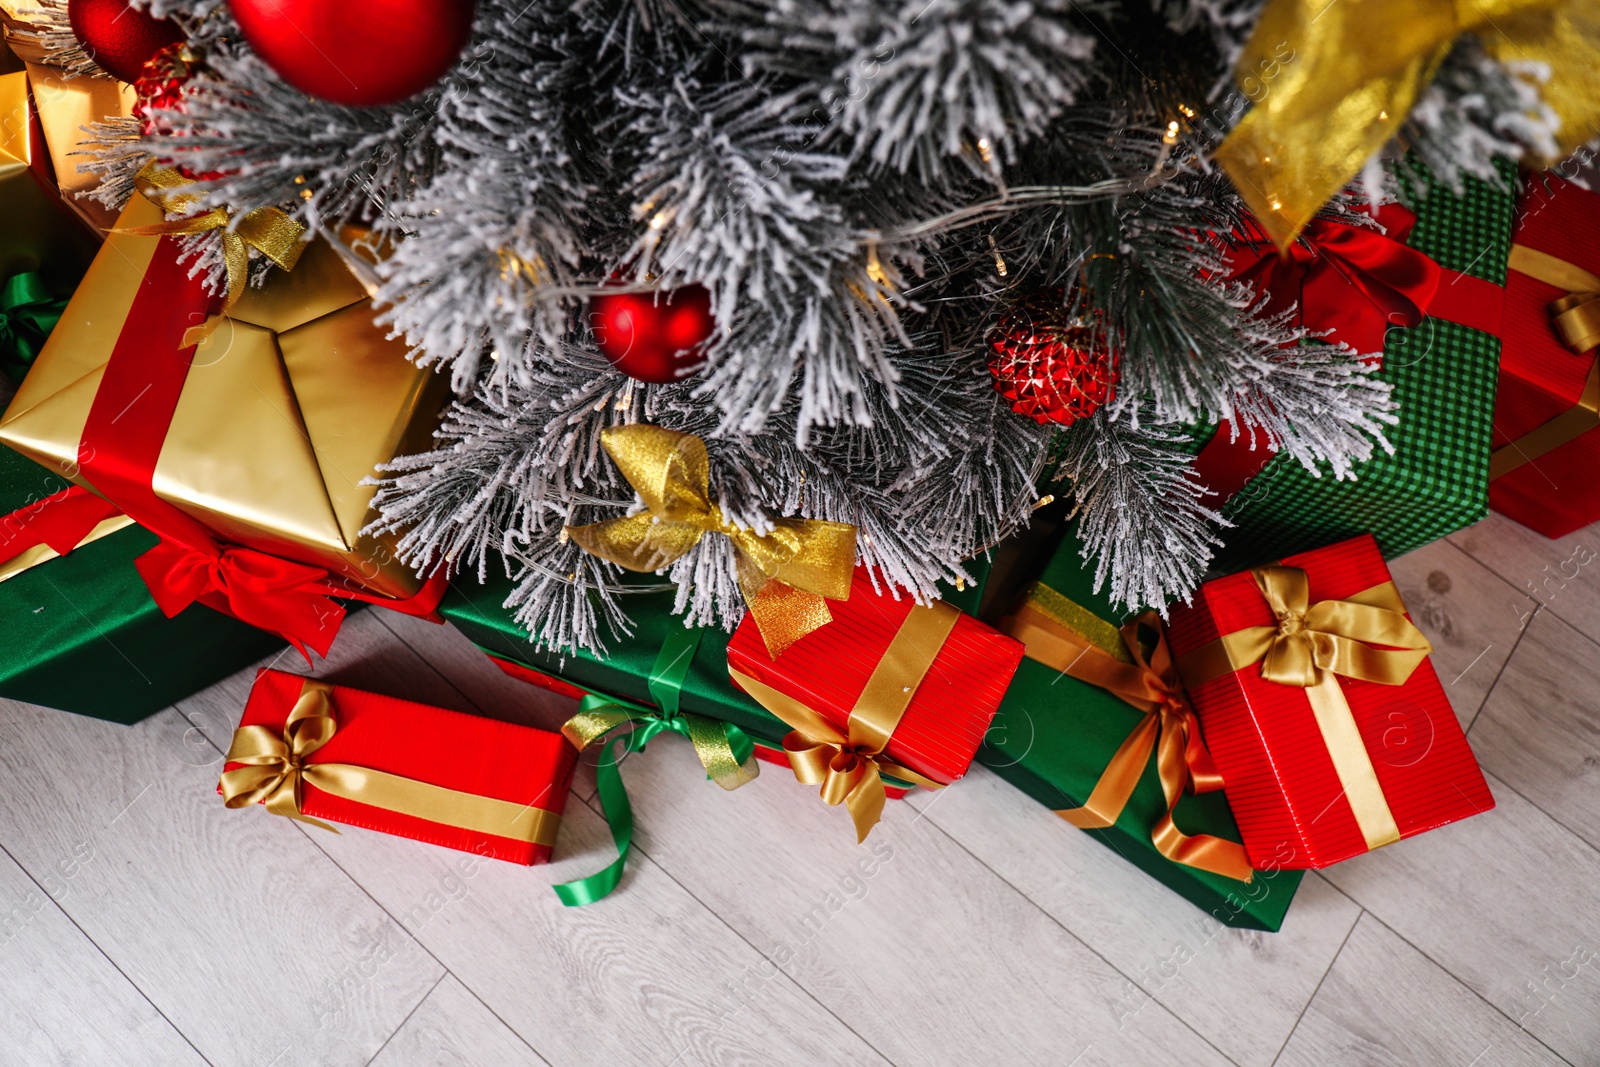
[(36, 230), (291, 401)]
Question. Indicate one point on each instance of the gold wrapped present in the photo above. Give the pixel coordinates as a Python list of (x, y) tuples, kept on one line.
[(37, 233)]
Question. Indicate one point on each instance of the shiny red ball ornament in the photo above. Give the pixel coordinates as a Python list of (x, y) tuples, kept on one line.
[(653, 337), (160, 84), (357, 52), (1053, 365), (119, 37)]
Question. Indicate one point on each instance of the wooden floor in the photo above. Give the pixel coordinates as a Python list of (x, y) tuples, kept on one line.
[(143, 923)]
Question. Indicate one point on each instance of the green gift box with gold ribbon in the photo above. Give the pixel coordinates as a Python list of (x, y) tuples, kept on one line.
[(1096, 727)]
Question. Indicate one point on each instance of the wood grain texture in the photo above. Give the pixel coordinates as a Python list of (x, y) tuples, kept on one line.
[(230, 923), (451, 1028), (64, 1001), (1241, 989), (1384, 1003), (1470, 615), (1540, 730), (1563, 576), (1504, 902)]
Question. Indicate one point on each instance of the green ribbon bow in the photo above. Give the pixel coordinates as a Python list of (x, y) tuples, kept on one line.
[(725, 751), (27, 315)]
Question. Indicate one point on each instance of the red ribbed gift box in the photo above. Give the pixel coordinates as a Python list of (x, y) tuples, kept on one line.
[(466, 753), (1278, 775), (828, 668), (1540, 377)]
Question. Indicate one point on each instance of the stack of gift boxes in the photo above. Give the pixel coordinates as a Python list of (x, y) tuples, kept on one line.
[(1286, 718)]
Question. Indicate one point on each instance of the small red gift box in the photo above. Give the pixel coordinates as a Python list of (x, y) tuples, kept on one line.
[(314, 751), (945, 673), (1547, 407), (1325, 719)]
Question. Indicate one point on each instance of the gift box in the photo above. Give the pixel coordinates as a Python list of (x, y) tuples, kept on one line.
[(1547, 410), (315, 751), (82, 632), (253, 429), (1097, 757), (1319, 705), (888, 683), (1441, 363)]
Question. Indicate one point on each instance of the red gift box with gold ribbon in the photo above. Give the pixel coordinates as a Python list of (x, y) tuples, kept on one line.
[(314, 751), (1321, 709), (1547, 407)]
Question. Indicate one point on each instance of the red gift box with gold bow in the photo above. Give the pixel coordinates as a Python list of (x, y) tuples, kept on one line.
[(1321, 709), (313, 751), (1547, 406)]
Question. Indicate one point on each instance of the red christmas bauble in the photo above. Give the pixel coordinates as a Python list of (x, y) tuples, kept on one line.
[(357, 52), (118, 37), (654, 337), (1052, 365), (160, 84)]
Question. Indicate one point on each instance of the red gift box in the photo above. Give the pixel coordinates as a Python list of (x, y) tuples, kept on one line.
[(1547, 408), (492, 788), (1297, 768), (950, 705)]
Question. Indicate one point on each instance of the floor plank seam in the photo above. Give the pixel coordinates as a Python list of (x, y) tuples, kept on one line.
[(409, 1014), (1501, 783), (594, 805), (1087, 947), (1539, 604), (1318, 988), (1488, 693), (65, 914)]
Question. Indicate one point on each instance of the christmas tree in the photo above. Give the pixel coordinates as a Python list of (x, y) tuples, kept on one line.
[(907, 267)]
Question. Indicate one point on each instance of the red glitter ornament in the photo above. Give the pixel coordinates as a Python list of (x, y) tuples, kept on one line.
[(119, 37), (653, 337), (1052, 365), (160, 85)]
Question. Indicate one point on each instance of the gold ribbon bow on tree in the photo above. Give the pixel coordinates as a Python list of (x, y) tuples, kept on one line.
[(1311, 646), (266, 229), (1063, 635), (277, 766), (787, 576), (1355, 68)]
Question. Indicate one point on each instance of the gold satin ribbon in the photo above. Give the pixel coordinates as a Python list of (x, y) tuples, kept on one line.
[(787, 576), (1309, 647), (276, 767), (266, 229), (1048, 626), (846, 764), (1334, 81), (1576, 318)]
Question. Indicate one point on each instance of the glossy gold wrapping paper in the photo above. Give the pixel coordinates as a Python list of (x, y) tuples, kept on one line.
[(291, 401)]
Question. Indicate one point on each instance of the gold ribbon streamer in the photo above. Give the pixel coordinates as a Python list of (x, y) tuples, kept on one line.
[(1333, 82), (1309, 647), (846, 765), (266, 229), (709, 738), (787, 576), (276, 768), (1576, 318), (1169, 728)]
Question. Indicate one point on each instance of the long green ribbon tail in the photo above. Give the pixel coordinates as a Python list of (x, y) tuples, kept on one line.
[(27, 315), (724, 750)]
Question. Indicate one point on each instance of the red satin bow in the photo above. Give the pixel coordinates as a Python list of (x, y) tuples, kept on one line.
[(1352, 281), (273, 594)]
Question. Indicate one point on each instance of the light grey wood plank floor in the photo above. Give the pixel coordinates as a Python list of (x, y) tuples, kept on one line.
[(143, 923)]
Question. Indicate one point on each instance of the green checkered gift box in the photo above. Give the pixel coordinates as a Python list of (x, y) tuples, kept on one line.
[(1442, 368)]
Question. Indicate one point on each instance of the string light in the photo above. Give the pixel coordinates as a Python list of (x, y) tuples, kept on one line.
[(1171, 136), (985, 150), (999, 260)]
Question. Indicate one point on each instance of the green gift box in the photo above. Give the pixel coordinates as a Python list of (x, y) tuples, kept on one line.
[(81, 631), (1055, 736), (1443, 372)]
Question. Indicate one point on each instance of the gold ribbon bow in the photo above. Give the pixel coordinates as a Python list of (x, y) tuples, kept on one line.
[(787, 576), (846, 764), (1333, 82), (266, 229), (277, 766), (1310, 646), (1064, 636), (1576, 317)]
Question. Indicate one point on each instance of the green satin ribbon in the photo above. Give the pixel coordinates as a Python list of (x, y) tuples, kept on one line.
[(27, 315), (725, 751)]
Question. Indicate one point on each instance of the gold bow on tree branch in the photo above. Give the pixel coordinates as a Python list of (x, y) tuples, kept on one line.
[(787, 576), (1354, 70)]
